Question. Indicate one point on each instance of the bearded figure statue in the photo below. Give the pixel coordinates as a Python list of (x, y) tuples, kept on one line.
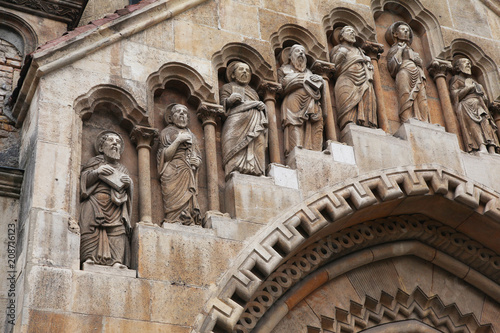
[(244, 134), (301, 109), (178, 161), (106, 195)]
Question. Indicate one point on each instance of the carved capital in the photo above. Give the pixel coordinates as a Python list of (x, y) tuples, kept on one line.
[(373, 50), (323, 68), (439, 68), (269, 89), (143, 137), (208, 113)]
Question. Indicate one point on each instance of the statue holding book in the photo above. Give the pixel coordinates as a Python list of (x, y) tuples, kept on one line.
[(106, 195)]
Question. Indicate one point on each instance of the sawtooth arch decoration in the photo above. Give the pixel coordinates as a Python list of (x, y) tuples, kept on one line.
[(247, 54), (199, 90), (488, 69), (341, 16), (121, 103), (300, 35), (418, 17), (441, 194)]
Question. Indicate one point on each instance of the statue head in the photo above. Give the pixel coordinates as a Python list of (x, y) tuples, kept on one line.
[(110, 144), (462, 65), (399, 32), (177, 114), (298, 57), (347, 34), (240, 72)]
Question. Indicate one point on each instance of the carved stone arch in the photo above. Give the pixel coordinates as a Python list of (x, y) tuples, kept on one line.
[(341, 16), (198, 89), (298, 34), (488, 69), (247, 54), (418, 17), (120, 102), (20, 27), (462, 202)]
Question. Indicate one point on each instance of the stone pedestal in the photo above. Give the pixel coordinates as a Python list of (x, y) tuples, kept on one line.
[(226, 227), (375, 149), (257, 199), (110, 270), (430, 143)]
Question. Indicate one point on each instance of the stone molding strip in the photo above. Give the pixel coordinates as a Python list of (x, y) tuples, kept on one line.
[(292, 229), (10, 182)]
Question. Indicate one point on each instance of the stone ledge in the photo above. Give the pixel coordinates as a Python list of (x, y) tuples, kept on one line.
[(109, 270)]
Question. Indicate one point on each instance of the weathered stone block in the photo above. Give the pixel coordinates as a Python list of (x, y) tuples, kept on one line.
[(430, 143), (283, 176), (257, 199), (133, 326), (57, 287), (375, 149), (109, 270), (48, 322), (481, 168), (181, 254), (226, 227)]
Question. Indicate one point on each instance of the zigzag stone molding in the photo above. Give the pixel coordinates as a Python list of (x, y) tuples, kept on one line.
[(400, 308), (290, 230)]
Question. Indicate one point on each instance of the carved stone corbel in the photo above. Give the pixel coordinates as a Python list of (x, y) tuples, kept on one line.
[(143, 137), (438, 69), (269, 89), (208, 114), (374, 51)]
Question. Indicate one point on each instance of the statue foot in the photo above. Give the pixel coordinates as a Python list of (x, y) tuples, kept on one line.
[(118, 265), (90, 262), (483, 149)]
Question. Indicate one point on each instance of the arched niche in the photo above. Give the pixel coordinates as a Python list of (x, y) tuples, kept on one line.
[(484, 68), (290, 34), (18, 32), (341, 16), (243, 52), (419, 19), (463, 214), (180, 84), (108, 107)]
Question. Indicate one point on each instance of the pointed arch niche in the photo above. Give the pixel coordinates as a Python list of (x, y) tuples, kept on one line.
[(178, 83), (108, 107), (427, 41)]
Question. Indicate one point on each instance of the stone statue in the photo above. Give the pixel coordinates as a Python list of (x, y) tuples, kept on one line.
[(244, 135), (354, 94), (301, 110), (470, 104), (405, 66), (178, 161), (106, 195)]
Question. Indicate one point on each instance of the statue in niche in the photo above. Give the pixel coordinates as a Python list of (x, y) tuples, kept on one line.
[(354, 94), (470, 104), (244, 134), (178, 161), (405, 66), (106, 195), (301, 109)]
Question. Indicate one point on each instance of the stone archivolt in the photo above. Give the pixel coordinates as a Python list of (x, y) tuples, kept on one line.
[(266, 253)]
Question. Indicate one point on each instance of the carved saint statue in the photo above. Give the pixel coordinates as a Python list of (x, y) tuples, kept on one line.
[(244, 135), (178, 161), (405, 66), (106, 195), (301, 110), (469, 101), (354, 94)]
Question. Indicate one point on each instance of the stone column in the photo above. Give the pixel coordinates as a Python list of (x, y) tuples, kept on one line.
[(208, 114), (326, 70), (143, 138), (270, 89), (438, 69), (495, 113), (374, 50)]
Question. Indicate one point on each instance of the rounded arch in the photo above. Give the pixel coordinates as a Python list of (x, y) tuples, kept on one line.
[(247, 54), (298, 34), (418, 17), (418, 189), (487, 67), (12, 23), (198, 89), (121, 103), (341, 16)]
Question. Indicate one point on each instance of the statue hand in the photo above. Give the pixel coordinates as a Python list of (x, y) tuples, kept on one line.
[(126, 180), (183, 137), (235, 98), (195, 161), (261, 106), (316, 78), (105, 170)]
